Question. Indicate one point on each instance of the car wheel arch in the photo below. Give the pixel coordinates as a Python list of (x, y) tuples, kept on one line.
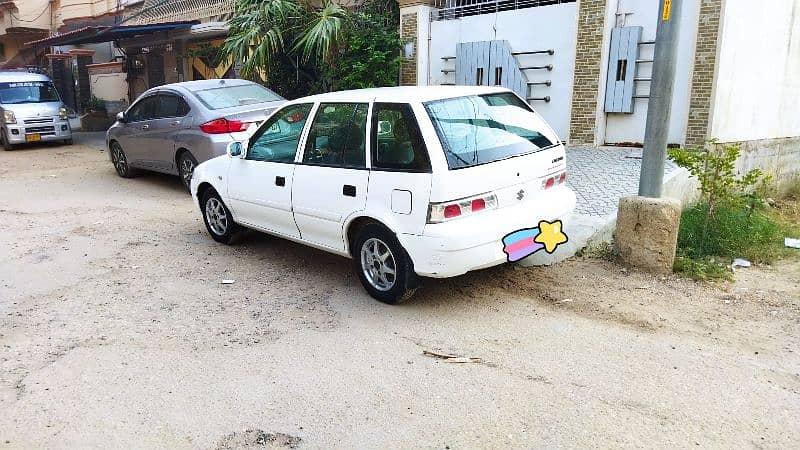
[(202, 188), (358, 222), (179, 152)]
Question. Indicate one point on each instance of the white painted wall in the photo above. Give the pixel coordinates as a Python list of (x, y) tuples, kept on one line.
[(757, 92), (541, 28), (622, 128)]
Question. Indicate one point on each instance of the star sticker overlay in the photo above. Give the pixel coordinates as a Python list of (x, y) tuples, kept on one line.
[(550, 235)]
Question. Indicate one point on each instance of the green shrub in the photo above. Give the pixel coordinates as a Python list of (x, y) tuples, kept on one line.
[(730, 220)]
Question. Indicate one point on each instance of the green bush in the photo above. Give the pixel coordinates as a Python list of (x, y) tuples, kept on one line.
[(730, 220)]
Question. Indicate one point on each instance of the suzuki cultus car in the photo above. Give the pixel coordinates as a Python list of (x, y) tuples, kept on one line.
[(408, 182)]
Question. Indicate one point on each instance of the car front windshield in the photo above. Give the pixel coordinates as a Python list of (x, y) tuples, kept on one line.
[(235, 95), (480, 129), (28, 92)]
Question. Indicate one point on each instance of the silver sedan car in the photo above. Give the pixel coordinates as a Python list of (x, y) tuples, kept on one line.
[(174, 127)]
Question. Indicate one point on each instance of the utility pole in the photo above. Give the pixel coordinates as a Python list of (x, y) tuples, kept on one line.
[(659, 106)]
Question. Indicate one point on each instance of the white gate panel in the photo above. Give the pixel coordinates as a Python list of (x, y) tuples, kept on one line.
[(629, 128), (532, 29)]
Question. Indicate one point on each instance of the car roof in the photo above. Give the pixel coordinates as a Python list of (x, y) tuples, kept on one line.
[(402, 94), (11, 76)]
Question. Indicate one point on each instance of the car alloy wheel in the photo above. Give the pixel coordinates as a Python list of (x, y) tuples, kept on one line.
[(119, 160), (186, 165), (378, 264), (216, 216)]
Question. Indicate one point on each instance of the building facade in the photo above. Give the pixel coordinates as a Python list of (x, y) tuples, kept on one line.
[(117, 49), (585, 65)]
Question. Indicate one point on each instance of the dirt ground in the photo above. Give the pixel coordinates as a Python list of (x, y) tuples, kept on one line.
[(115, 331)]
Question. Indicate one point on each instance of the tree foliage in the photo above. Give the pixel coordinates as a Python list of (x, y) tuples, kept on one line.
[(297, 48)]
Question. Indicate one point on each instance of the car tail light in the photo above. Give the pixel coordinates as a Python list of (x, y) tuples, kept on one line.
[(553, 180), (219, 126), (440, 212)]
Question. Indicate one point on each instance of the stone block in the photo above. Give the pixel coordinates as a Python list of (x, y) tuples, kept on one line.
[(647, 233)]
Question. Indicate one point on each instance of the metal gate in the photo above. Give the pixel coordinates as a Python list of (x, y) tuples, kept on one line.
[(489, 63)]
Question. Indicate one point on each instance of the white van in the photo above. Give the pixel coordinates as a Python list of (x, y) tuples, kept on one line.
[(31, 110), (406, 181)]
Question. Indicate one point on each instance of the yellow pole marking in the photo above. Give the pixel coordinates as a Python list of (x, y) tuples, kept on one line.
[(667, 10)]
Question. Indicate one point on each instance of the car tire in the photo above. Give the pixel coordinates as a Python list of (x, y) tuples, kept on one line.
[(68, 141), (120, 161), (186, 164), (218, 218), (7, 146), (376, 254)]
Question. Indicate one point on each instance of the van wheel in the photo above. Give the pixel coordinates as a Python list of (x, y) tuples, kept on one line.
[(7, 146), (218, 219), (383, 266)]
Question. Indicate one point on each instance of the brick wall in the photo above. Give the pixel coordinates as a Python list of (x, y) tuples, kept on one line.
[(408, 32), (588, 55), (705, 62)]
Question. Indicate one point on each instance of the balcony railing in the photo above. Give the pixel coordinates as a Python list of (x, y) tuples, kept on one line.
[(179, 10), (454, 9)]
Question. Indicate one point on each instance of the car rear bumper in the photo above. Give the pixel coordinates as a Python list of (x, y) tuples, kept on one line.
[(475, 242), (51, 131)]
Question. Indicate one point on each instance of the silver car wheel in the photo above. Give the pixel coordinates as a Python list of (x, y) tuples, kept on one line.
[(118, 159), (216, 216), (378, 264), (187, 168)]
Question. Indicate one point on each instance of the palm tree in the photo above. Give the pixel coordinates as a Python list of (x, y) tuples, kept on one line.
[(262, 30)]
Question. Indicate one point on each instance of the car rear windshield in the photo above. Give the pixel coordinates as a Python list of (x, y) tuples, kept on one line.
[(236, 95), (28, 92), (480, 129)]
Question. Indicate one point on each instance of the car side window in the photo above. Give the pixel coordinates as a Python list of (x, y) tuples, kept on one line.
[(278, 138), (145, 109), (171, 105), (338, 136), (397, 143)]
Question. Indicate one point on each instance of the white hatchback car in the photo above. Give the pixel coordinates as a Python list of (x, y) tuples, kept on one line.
[(406, 181)]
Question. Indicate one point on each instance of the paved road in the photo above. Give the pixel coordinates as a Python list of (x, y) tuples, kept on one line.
[(115, 331)]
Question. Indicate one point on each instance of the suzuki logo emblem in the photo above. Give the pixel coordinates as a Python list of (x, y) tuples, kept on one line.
[(520, 194)]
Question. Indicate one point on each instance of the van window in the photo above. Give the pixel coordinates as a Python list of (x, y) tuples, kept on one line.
[(338, 136), (396, 140), (28, 92), (480, 129)]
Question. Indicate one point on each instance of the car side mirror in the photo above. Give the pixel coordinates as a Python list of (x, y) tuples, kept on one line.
[(236, 149), (121, 117)]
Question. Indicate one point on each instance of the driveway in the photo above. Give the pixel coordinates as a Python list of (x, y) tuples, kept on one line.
[(116, 331)]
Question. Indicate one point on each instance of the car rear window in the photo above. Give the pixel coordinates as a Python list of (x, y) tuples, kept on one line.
[(235, 95), (481, 129)]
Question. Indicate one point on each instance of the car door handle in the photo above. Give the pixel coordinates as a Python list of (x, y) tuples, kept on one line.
[(175, 123), (280, 181), (349, 190), (145, 127)]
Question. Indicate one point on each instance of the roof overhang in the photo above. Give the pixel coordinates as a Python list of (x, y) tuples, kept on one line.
[(97, 34)]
